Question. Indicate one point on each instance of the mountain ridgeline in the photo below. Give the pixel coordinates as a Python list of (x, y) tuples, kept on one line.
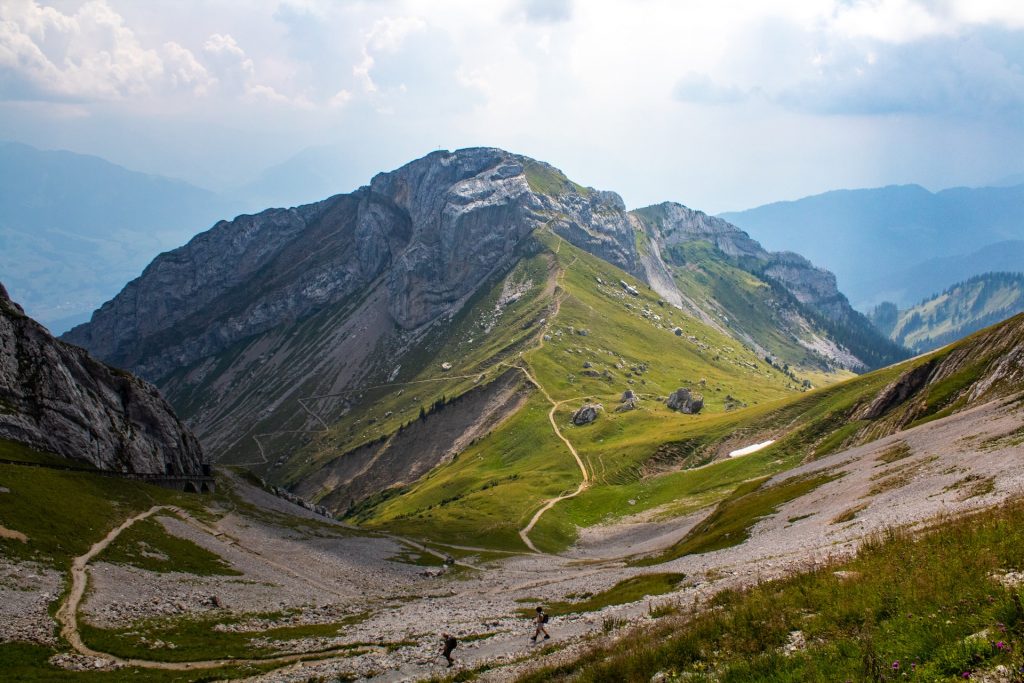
[(397, 314), (897, 243), (954, 313), (75, 228)]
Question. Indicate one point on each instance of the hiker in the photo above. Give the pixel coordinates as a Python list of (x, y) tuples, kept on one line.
[(540, 620), (450, 643)]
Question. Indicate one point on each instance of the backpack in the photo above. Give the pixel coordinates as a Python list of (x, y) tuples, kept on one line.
[(451, 643), (545, 620)]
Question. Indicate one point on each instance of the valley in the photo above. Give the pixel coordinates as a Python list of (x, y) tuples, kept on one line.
[(246, 582), (468, 389)]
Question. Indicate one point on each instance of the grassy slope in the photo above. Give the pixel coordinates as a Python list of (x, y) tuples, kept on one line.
[(744, 302), (927, 609), (493, 488), (64, 513)]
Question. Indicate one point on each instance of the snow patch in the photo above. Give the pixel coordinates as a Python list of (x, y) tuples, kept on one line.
[(753, 448)]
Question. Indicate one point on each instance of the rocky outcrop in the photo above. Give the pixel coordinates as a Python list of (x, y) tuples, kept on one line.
[(430, 232), (628, 401), (55, 397), (586, 414), (685, 401)]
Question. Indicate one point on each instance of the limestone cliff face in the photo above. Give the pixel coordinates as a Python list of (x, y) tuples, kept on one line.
[(432, 230), (57, 398), (424, 237)]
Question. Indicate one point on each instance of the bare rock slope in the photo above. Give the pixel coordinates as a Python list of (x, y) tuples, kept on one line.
[(55, 397)]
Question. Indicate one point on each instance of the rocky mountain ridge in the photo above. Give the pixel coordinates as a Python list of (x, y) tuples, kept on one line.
[(433, 230), (56, 398)]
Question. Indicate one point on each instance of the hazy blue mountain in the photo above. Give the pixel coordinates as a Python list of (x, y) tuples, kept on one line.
[(310, 175), (871, 238), (922, 280), (75, 228)]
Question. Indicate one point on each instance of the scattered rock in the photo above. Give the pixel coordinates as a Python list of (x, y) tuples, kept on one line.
[(586, 414), (678, 331), (587, 364), (685, 402), (627, 395), (4, 489), (796, 642), (446, 366)]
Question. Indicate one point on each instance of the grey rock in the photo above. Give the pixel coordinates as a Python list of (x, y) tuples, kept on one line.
[(685, 401), (627, 395), (586, 414), (678, 331), (55, 397)]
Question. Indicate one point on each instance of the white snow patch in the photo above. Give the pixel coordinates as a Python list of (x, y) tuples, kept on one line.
[(753, 448)]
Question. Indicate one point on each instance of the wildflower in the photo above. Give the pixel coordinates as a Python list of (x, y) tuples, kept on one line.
[(1000, 645), (966, 674), (896, 665)]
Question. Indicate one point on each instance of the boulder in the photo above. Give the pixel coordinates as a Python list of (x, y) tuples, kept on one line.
[(685, 401), (586, 414), (627, 395)]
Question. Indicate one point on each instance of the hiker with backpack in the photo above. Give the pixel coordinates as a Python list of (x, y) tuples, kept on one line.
[(540, 620), (450, 643)]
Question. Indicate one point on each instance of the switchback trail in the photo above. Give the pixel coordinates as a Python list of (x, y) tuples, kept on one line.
[(524, 533)]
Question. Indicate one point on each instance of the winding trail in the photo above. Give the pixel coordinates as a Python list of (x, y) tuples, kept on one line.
[(67, 614), (524, 533)]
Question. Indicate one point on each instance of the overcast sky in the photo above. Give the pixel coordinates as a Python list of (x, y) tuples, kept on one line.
[(720, 105)]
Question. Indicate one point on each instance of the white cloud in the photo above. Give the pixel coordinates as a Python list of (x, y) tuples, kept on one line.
[(385, 36), (184, 71), (236, 72), (88, 55)]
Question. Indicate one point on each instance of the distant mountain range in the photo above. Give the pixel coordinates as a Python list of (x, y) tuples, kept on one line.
[(958, 311), (897, 243), (75, 228)]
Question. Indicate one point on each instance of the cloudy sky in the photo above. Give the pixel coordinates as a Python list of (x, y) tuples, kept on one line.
[(720, 105)]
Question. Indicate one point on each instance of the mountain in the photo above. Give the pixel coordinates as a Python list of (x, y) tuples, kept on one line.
[(313, 173), (870, 238), (375, 340), (55, 398), (75, 228), (958, 311), (922, 280)]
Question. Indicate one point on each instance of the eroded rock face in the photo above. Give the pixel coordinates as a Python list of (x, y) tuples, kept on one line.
[(429, 232), (586, 414), (685, 401), (55, 397)]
